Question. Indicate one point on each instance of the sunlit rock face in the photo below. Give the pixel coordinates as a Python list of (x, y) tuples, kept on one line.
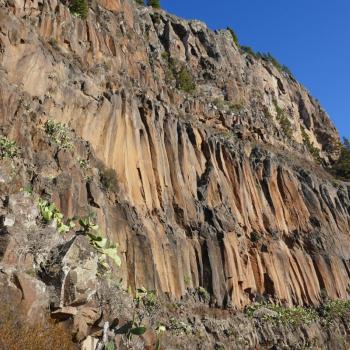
[(215, 187)]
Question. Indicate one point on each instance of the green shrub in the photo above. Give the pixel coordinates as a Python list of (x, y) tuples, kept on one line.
[(154, 3), (335, 309), (268, 57), (103, 246), (219, 103), (8, 148), (234, 36), (179, 326), (50, 213), (79, 8), (342, 167), (184, 80), (203, 294), (170, 71), (108, 178), (248, 50), (227, 106), (148, 300), (140, 2), (178, 72), (236, 107), (59, 134), (315, 152), (287, 70), (283, 120), (294, 316), (83, 163), (187, 280), (255, 236)]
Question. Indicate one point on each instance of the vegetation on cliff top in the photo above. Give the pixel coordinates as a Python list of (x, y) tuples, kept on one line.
[(234, 35), (268, 57), (154, 3)]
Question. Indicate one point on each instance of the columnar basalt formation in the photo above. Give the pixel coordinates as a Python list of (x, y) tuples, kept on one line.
[(212, 189)]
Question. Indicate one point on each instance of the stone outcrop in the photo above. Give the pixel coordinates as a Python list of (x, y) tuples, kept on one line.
[(215, 187), (196, 180)]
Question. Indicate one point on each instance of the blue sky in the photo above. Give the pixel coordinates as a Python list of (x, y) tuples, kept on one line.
[(311, 37)]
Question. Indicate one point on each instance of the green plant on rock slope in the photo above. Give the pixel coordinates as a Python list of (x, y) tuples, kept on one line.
[(341, 167), (59, 134), (148, 300), (184, 80), (79, 8), (234, 36), (293, 316), (88, 227), (335, 309), (268, 57), (154, 3), (283, 120), (315, 152), (50, 213), (100, 243), (179, 72), (8, 148)]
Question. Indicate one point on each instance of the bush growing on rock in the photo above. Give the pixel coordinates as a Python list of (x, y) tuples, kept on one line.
[(8, 148), (342, 167), (184, 80), (268, 57), (203, 294), (59, 134), (294, 316), (234, 35), (334, 309), (178, 72), (283, 120), (248, 50), (50, 213), (154, 3), (103, 245), (315, 152), (108, 178), (79, 8)]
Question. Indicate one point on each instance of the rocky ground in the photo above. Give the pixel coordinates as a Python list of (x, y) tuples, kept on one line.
[(205, 164)]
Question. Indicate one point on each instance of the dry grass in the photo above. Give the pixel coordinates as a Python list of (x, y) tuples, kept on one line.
[(16, 334)]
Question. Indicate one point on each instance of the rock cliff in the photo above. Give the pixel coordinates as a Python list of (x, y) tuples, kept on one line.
[(218, 154)]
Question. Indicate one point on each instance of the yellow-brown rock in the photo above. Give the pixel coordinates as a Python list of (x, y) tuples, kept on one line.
[(211, 189)]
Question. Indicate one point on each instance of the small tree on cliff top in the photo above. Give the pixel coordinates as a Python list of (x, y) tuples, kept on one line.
[(154, 3), (234, 35)]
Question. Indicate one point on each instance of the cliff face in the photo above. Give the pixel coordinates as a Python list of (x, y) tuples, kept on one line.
[(215, 185)]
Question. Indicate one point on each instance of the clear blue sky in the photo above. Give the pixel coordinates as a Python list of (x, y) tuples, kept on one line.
[(311, 37)]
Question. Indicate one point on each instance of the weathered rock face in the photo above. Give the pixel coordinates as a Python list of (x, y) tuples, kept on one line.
[(212, 187)]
